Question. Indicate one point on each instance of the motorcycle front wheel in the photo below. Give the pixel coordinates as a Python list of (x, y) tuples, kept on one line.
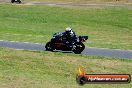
[(78, 47), (19, 1)]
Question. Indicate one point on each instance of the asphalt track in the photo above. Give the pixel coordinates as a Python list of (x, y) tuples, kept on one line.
[(88, 51)]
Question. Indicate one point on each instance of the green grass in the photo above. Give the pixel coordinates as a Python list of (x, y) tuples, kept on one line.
[(106, 27), (25, 69)]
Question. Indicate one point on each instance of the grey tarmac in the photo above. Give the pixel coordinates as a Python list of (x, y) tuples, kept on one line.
[(116, 53)]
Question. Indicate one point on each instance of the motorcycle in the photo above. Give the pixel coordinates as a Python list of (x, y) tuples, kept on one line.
[(12, 1), (57, 43)]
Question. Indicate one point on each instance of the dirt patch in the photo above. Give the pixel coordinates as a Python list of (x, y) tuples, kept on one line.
[(82, 5)]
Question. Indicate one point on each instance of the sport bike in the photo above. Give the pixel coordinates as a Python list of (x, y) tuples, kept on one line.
[(57, 42)]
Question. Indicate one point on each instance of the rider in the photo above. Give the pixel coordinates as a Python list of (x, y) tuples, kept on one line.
[(69, 36)]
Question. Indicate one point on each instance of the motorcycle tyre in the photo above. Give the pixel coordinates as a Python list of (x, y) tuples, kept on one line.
[(49, 46), (78, 49)]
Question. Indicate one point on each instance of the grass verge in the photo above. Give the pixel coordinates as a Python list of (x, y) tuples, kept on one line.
[(26, 69)]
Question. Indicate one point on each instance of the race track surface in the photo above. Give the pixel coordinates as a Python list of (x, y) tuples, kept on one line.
[(88, 51)]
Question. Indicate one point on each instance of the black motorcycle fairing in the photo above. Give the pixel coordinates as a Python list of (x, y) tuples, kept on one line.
[(59, 44)]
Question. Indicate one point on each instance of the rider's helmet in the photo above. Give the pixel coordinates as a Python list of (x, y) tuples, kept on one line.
[(69, 31)]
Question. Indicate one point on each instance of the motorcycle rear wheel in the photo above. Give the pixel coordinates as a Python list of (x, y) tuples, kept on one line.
[(12, 1), (48, 46)]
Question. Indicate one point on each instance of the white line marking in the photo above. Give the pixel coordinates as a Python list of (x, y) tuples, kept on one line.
[(25, 49), (22, 42), (21, 34)]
